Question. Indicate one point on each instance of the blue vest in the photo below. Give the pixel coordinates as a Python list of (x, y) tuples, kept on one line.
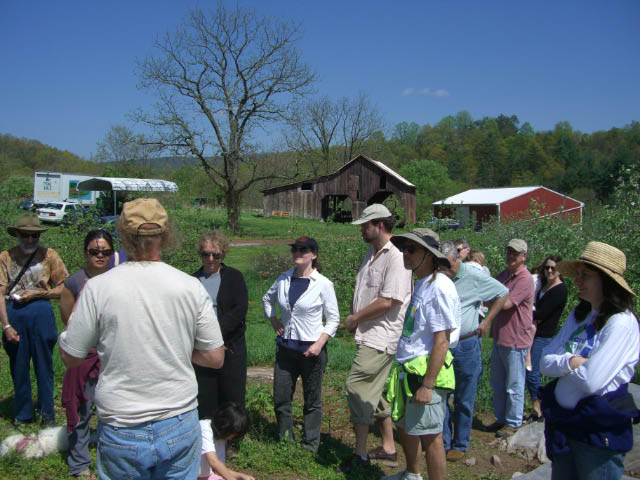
[(599, 420)]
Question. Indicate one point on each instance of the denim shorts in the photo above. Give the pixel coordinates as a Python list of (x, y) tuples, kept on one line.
[(164, 449), (425, 419)]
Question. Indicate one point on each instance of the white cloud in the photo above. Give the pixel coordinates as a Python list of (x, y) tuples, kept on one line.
[(408, 91), (425, 91), (441, 92)]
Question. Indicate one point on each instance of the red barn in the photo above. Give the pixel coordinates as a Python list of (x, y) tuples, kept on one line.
[(508, 204)]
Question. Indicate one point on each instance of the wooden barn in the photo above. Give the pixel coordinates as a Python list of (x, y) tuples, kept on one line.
[(341, 195), (507, 204)]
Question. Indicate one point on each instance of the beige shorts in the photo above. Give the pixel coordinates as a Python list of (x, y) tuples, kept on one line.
[(364, 385), (425, 419)]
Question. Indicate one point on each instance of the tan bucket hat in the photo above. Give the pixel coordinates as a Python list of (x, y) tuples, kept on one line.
[(28, 222), (609, 260)]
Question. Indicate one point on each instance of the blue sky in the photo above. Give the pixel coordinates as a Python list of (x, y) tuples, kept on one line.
[(67, 67)]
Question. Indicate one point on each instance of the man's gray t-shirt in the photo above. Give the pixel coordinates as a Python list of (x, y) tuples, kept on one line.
[(145, 319)]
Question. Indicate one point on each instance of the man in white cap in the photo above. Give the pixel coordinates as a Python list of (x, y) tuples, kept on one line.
[(511, 340), (381, 296), (149, 322)]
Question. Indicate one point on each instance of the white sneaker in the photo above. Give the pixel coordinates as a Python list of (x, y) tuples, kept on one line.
[(404, 475)]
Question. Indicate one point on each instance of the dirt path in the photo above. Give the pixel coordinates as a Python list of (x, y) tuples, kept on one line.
[(483, 446)]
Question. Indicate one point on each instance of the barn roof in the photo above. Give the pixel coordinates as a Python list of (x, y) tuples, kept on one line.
[(491, 196), (378, 164)]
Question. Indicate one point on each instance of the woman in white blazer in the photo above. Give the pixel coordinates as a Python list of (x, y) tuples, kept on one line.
[(303, 296)]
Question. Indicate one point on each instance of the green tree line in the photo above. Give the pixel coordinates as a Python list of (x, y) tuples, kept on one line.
[(455, 154)]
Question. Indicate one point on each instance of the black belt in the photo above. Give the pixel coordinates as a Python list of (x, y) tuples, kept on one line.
[(468, 335)]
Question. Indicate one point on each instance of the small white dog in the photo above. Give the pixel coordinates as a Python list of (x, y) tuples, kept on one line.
[(49, 440)]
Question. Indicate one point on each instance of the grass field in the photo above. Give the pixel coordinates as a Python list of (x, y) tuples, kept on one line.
[(341, 251)]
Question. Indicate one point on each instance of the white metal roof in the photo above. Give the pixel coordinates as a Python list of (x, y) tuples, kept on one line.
[(486, 196), (128, 184)]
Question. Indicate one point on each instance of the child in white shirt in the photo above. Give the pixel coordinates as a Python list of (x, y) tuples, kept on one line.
[(228, 423)]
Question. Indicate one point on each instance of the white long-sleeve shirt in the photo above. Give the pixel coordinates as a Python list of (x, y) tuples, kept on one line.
[(612, 354), (304, 320)]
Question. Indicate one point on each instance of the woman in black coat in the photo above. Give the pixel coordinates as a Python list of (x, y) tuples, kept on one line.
[(228, 291)]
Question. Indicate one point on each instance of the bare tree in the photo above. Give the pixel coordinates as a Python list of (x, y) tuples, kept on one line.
[(218, 77), (361, 120), (124, 148), (327, 134)]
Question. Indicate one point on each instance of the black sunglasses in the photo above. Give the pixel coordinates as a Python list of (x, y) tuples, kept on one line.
[(549, 267), (409, 248), (300, 249), (94, 252), (29, 235), (215, 255)]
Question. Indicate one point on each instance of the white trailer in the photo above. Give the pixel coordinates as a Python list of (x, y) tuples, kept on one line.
[(61, 187)]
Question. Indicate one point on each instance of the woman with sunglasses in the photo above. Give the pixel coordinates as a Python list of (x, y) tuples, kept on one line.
[(304, 296), (549, 301), (228, 292), (79, 383), (588, 411)]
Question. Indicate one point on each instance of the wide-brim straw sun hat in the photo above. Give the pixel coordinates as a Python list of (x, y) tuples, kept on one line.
[(609, 260), (26, 223)]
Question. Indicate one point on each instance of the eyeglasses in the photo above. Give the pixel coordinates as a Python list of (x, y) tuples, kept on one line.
[(549, 267), (94, 252), (29, 235), (215, 255), (411, 249), (300, 249)]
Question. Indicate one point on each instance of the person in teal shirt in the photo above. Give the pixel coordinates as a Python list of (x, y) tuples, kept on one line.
[(474, 287)]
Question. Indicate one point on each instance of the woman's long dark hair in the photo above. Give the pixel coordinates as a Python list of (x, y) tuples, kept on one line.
[(540, 270), (616, 300)]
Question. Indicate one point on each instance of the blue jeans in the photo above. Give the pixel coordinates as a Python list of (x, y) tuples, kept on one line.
[(467, 366), (533, 377), (507, 382), (586, 462), (36, 325), (152, 450)]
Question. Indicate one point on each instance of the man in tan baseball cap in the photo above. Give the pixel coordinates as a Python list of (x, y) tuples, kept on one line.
[(152, 322)]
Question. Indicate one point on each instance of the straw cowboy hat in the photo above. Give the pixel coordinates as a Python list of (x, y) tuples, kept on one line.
[(26, 223), (609, 260)]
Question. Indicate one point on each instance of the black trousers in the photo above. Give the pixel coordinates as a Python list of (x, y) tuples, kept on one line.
[(289, 366), (227, 384)]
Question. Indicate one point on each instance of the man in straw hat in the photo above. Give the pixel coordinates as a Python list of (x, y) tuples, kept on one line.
[(431, 326), (149, 322), (511, 340), (588, 410), (382, 292), (30, 275)]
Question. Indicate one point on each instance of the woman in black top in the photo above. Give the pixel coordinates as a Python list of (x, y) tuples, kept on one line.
[(550, 300), (228, 292)]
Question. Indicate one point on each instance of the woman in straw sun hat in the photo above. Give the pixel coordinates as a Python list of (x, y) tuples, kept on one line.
[(588, 411)]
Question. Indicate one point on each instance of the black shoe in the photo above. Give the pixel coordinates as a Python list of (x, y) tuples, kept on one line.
[(353, 462), (494, 427), (534, 417), (21, 423), (48, 422)]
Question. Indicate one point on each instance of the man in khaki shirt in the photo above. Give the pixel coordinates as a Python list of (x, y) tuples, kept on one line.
[(382, 292)]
